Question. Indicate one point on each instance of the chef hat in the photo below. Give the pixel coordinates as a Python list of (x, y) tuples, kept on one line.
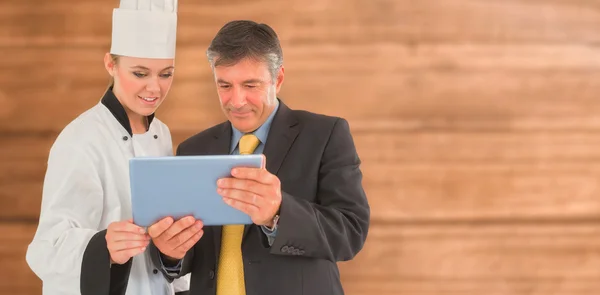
[(145, 28)]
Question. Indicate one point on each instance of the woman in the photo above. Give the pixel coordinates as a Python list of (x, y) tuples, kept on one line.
[(86, 206)]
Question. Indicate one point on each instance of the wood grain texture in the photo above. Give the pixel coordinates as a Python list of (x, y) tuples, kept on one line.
[(526, 259), (481, 88), (476, 122), (410, 177), (317, 21), (16, 277), (459, 259)]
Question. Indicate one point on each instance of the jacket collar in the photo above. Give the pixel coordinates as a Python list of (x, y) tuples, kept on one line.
[(110, 101)]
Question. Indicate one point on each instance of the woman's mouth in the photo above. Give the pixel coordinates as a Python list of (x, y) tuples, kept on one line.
[(149, 100)]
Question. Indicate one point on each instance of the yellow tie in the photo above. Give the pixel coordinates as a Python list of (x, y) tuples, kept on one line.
[(230, 271)]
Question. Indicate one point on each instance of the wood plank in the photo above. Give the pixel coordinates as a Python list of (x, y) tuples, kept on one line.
[(559, 101), (88, 23), (23, 165), (497, 192), (19, 279), (470, 259), (411, 177), (461, 259), (520, 148), (440, 88), (86, 63)]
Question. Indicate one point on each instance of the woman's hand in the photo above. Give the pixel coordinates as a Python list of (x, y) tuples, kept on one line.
[(125, 240)]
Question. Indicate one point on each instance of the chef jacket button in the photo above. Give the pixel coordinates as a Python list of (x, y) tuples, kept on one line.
[(155, 271), (125, 138), (155, 136)]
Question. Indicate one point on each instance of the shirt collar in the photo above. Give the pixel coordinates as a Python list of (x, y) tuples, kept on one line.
[(110, 101), (262, 132)]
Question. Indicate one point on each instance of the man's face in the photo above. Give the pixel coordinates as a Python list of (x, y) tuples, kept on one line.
[(247, 92)]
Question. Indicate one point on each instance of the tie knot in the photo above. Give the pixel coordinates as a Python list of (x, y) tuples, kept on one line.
[(248, 144)]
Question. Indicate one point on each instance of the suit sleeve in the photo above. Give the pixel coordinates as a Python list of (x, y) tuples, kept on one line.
[(171, 273), (335, 226)]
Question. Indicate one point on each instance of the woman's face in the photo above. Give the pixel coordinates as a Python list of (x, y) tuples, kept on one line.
[(140, 84)]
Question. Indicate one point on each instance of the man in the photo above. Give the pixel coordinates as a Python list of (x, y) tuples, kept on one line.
[(308, 206)]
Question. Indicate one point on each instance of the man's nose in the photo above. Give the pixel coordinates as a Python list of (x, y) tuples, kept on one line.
[(238, 98)]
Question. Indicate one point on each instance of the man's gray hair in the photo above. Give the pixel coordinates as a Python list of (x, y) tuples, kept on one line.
[(246, 39)]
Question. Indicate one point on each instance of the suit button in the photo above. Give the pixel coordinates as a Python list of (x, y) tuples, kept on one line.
[(211, 274), (284, 249), (155, 271)]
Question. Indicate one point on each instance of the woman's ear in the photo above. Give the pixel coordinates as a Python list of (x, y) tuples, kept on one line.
[(109, 64)]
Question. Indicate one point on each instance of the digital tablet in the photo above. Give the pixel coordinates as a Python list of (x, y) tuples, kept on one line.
[(180, 186)]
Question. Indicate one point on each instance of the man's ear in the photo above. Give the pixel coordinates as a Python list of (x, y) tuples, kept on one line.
[(279, 81)]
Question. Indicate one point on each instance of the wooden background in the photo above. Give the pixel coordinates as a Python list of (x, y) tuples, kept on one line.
[(478, 123)]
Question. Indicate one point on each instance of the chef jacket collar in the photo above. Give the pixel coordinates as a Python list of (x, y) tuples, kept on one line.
[(110, 101)]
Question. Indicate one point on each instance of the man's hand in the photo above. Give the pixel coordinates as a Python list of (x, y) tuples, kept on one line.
[(254, 191), (174, 239), (125, 240)]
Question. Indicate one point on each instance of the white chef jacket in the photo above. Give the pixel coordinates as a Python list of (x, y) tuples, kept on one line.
[(86, 188)]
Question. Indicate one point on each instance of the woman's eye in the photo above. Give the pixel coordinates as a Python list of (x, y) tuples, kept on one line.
[(167, 75), (139, 75)]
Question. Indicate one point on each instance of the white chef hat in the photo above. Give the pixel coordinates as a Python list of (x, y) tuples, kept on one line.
[(145, 28)]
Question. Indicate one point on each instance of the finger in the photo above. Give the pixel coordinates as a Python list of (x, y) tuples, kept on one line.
[(128, 226), (128, 253), (244, 184), (188, 233), (257, 174), (242, 196), (249, 209), (126, 236), (187, 245), (177, 227), (160, 227), (126, 245)]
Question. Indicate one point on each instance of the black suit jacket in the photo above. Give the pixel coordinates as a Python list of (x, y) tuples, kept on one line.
[(324, 214)]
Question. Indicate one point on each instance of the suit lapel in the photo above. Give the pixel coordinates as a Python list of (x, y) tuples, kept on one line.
[(220, 146), (284, 130)]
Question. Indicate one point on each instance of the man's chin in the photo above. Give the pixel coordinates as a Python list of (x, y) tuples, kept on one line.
[(243, 125)]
